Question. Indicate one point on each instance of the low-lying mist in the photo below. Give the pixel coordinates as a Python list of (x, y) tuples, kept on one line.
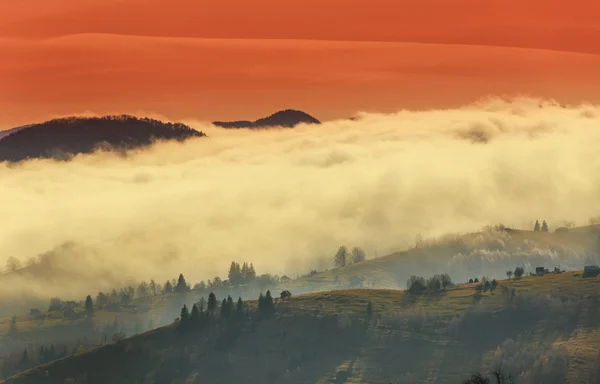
[(286, 199)]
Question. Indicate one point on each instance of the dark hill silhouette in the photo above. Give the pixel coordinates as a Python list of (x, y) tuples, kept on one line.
[(11, 131), (62, 138), (288, 118)]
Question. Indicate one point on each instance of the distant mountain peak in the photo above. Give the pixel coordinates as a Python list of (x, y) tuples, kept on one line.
[(64, 137), (287, 118)]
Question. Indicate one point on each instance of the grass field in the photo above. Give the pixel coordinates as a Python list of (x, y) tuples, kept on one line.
[(390, 349)]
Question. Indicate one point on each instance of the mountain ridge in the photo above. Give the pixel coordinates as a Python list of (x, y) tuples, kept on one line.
[(65, 137), (287, 118)]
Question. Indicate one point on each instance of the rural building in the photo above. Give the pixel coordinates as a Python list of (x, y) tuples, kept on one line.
[(34, 312), (69, 314), (591, 271), (355, 281)]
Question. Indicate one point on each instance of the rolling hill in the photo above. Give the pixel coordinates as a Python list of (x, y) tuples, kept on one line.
[(288, 118), (545, 330), (488, 253), (63, 138)]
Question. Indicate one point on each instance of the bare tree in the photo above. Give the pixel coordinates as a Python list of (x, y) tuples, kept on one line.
[(358, 255), (12, 264), (340, 257)]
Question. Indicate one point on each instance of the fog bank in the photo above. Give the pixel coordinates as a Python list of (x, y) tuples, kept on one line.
[(286, 199)]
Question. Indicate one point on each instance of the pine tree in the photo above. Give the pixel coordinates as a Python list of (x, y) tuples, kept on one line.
[(24, 363), (12, 329), (269, 307), (89, 307), (212, 303), (201, 304), (493, 285), (245, 271), (195, 315), (536, 227), (43, 356), (152, 287), (261, 303), (181, 284), (184, 318), (168, 287), (239, 310), (224, 309), (185, 314), (235, 274), (544, 226), (251, 273), (369, 309), (230, 305)]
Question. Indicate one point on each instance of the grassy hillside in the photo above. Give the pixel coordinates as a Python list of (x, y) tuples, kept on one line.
[(549, 328), (488, 253)]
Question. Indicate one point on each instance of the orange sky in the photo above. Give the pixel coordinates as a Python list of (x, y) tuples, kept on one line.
[(229, 59)]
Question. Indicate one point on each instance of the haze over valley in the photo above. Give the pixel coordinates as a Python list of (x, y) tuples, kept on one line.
[(299, 192), (287, 199)]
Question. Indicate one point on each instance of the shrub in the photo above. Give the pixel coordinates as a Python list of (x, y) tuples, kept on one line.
[(535, 362), (519, 271), (434, 283), (416, 285), (445, 280)]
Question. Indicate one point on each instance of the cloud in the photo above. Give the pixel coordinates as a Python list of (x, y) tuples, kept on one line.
[(286, 199)]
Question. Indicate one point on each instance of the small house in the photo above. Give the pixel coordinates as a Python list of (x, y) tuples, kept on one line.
[(355, 281), (591, 271), (69, 314), (35, 313), (540, 271)]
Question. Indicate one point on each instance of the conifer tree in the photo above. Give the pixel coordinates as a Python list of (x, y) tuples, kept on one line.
[(261, 303), (239, 310), (251, 273), (181, 284), (212, 303), (536, 227), (224, 308), (43, 355), (493, 285), (195, 315), (369, 309), (185, 314), (269, 306), (89, 307), (12, 329), (230, 304), (168, 287), (245, 271), (24, 363), (235, 274)]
